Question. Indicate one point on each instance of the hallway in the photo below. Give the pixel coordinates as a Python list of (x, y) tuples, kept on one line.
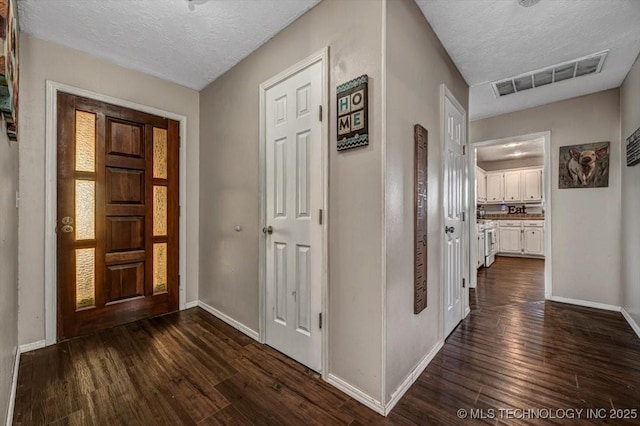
[(514, 351)]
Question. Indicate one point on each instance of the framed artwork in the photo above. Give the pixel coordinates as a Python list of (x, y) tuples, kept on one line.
[(9, 66), (584, 166), (421, 138)]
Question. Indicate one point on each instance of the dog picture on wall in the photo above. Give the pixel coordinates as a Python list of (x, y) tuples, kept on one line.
[(584, 166)]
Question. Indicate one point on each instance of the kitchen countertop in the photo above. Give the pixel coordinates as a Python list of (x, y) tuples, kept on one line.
[(514, 217)]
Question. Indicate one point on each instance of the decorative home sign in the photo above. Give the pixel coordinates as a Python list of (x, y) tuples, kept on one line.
[(584, 166), (420, 136), (633, 148), (353, 116), (9, 66)]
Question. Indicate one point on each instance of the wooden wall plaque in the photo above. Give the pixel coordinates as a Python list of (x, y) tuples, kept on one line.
[(420, 136), (633, 148)]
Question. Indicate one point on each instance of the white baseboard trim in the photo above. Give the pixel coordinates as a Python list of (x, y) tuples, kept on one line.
[(233, 323), (631, 321), (356, 393), (14, 388), (27, 347), (586, 303), (412, 377), (190, 305)]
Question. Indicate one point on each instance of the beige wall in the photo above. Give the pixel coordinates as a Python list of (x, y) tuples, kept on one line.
[(229, 149), (585, 222), (511, 164), (41, 61), (630, 268), (8, 267), (416, 66)]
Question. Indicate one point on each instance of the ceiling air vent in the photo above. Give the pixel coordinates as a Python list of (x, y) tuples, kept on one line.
[(591, 64)]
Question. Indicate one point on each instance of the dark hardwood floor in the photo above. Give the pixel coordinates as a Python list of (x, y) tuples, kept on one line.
[(514, 351), (509, 281)]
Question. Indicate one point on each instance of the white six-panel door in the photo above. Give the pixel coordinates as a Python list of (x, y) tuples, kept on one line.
[(294, 197), (454, 206)]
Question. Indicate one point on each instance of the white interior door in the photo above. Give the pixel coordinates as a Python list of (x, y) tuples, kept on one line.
[(454, 206), (294, 197)]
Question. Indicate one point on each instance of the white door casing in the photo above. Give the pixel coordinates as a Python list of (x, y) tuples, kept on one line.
[(545, 188), (51, 198), (454, 208), (294, 197)]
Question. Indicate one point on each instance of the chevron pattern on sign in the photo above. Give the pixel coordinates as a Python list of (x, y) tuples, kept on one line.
[(353, 142)]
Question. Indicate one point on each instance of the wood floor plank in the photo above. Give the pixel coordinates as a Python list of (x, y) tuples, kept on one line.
[(228, 416)]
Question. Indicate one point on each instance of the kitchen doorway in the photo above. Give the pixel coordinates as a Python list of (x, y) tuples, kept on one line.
[(510, 188)]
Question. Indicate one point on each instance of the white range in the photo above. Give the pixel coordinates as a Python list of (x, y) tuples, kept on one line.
[(487, 242)]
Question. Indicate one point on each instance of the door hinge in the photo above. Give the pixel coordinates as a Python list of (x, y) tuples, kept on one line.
[(320, 319), (320, 216), (179, 281), (464, 283), (464, 150), (320, 112), (463, 216)]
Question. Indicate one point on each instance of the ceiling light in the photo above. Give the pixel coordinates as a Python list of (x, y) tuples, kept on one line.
[(512, 144), (193, 3), (517, 153), (527, 3)]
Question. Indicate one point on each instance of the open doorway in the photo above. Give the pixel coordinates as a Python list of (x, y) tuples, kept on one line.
[(510, 183)]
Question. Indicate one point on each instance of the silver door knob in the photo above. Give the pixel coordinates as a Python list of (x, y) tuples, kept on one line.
[(268, 230), (449, 229)]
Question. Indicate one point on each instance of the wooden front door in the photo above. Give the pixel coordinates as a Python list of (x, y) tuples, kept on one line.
[(117, 224)]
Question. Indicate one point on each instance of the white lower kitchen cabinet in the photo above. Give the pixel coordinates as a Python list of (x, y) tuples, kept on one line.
[(521, 238), (533, 241), (510, 240)]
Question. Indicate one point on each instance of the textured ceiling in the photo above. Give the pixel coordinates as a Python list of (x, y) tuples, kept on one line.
[(189, 43), (493, 39), (511, 151)]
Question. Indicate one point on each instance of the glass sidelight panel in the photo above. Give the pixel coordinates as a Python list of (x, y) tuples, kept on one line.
[(85, 210), (159, 268), (159, 210), (159, 153), (85, 278), (85, 141)]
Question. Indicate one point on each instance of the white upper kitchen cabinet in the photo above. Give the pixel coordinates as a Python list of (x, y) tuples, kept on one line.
[(532, 185), (513, 186), (495, 187), (481, 185)]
